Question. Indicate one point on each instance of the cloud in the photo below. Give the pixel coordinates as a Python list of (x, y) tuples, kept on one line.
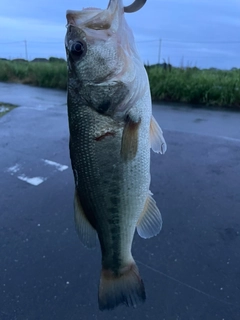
[(187, 28), (30, 28)]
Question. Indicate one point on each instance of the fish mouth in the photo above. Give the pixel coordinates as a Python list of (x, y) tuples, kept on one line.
[(99, 19), (93, 18), (90, 17)]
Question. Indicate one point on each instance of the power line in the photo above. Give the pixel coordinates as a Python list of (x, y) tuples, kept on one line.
[(140, 41), (12, 42), (185, 41), (143, 41), (40, 42), (180, 41), (48, 42)]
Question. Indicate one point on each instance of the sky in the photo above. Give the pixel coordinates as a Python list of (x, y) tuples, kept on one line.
[(201, 33)]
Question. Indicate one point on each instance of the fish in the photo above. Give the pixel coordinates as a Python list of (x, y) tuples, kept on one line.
[(111, 131)]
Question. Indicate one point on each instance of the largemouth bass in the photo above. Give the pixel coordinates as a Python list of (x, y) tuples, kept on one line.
[(111, 132)]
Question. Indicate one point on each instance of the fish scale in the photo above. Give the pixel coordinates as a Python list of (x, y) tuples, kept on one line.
[(111, 132)]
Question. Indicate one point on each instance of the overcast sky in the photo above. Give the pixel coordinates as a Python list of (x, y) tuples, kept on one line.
[(204, 33)]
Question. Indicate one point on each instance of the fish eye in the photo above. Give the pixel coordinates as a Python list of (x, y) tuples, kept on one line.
[(78, 49)]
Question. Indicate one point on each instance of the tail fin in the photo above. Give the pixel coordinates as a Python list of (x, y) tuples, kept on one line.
[(126, 287)]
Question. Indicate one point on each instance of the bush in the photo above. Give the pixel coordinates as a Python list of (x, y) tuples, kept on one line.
[(47, 74), (211, 87), (192, 85)]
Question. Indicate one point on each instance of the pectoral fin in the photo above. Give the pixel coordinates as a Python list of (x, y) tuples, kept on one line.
[(130, 139), (157, 140), (150, 221), (85, 231)]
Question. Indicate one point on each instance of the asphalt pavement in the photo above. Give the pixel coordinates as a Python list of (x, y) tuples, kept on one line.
[(191, 270)]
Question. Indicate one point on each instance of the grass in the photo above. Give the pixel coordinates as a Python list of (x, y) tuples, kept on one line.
[(5, 108), (210, 87), (191, 85), (50, 74)]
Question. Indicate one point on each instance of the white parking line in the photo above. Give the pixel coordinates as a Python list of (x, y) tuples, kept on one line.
[(35, 181), (58, 166), (21, 171), (14, 169)]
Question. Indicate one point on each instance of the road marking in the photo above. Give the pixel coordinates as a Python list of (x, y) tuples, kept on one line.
[(230, 139), (21, 171), (58, 166), (35, 181), (14, 169)]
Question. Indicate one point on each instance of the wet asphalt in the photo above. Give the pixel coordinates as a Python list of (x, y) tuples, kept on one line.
[(191, 270)]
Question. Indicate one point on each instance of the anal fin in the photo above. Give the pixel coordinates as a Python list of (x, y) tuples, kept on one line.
[(158, 143), (85, 231), (150, 221)]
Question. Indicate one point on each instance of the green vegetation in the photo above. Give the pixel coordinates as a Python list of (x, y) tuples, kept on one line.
[(211, 87), (51, 73), (5, 108)]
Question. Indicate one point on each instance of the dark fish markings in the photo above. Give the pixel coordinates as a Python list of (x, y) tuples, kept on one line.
[(104, 107)]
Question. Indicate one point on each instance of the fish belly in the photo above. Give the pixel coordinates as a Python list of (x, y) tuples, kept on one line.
[(112, 191)]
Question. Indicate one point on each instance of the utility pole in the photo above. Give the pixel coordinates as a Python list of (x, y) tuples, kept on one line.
[(26, 51), (159, 50)]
